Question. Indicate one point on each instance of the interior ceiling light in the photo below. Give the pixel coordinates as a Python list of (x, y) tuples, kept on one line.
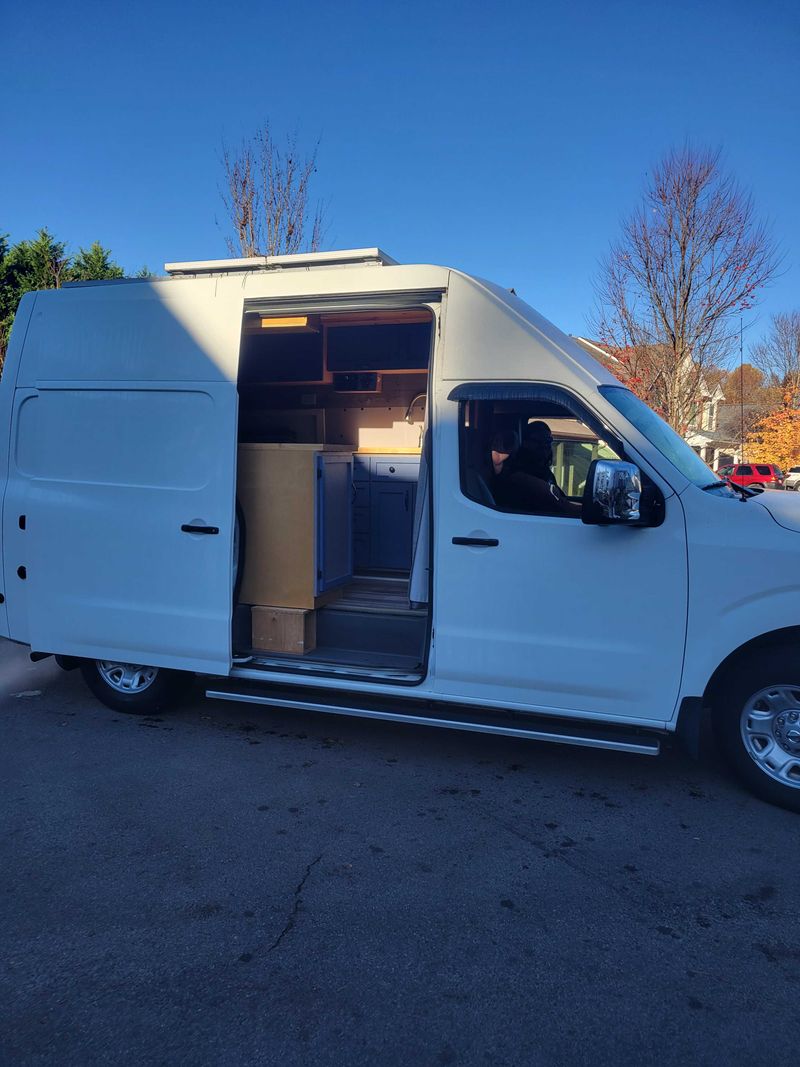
[(293, 323)]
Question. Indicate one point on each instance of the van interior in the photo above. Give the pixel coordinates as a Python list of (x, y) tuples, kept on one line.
[(330, 495)]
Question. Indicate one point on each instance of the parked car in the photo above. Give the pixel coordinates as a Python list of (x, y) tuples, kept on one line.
[(792, 479), (755, 475)]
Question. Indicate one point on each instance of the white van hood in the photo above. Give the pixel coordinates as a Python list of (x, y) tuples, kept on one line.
[(783, 506)]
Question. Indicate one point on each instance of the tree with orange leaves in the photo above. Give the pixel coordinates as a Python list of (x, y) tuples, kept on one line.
[(775, 439)]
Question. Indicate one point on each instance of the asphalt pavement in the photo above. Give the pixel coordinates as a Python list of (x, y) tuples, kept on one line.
[(225, 885)]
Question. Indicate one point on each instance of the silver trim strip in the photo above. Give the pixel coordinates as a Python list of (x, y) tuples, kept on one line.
[(643, 747)]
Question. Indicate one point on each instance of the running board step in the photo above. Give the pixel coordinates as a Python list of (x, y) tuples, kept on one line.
[(454, 717)]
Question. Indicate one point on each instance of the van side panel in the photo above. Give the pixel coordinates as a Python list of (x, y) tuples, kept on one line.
[(111, 476), (538, 608), (123, 461), (737, 591), (13, 614), (137, 331)]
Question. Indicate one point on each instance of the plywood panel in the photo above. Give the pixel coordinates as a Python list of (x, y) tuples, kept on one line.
[(376, 428), (277, 491)]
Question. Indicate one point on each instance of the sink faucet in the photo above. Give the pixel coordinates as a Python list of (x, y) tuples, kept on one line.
[(419, 396)]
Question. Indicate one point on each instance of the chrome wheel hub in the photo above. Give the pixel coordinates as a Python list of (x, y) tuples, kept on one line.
[(127, 677), (770, 728)]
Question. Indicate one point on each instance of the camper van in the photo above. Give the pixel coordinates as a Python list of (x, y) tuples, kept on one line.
[(333, 482)]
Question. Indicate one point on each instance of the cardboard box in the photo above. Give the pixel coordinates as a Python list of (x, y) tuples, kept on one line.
[(292, 630)]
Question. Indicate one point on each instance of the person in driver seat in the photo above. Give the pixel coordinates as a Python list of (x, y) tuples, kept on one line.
[(529, 484), (503, 446)]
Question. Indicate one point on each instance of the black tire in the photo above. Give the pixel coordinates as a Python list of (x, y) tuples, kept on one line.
[(157, 693), (760, 739)]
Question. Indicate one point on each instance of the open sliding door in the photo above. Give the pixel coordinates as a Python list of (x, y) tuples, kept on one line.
[(124, 469)]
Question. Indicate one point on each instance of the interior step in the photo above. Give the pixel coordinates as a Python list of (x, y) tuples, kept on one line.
[(448, 716), (347, 656), (400, 634)]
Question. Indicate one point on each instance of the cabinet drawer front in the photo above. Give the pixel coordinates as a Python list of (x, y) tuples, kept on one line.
[(399, 470)]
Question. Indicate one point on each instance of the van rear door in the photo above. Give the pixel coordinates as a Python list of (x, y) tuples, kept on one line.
[(124, 468)]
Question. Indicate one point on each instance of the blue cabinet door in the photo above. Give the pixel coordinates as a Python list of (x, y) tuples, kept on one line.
[(392, 515), (384, 494), (334, 520)]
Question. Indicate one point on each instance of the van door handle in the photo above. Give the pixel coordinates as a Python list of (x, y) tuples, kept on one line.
[(482, 542), (189, 528)]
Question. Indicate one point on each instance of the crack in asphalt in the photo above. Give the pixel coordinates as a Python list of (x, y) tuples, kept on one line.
[(296, 906)]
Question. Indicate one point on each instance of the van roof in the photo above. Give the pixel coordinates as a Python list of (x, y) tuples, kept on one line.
[(207, 268), (348, 257)]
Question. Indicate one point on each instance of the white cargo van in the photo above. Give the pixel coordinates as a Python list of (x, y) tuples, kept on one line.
[(279, 473)]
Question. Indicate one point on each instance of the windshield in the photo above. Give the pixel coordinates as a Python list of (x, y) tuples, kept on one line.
[(665, 439)]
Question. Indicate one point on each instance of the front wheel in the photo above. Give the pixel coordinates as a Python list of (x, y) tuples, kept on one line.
[(757, 725), (131, 687)]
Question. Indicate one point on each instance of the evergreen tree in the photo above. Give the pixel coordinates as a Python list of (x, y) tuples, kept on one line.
[(94, 264), (42, 263), (8, 303)]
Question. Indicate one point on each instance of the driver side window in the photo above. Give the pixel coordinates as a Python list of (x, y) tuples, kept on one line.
[(528, 455)]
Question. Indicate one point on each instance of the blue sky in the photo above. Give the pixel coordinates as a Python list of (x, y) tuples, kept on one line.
[(508, 139)]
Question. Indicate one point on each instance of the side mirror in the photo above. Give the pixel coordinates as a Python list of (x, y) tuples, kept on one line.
[(612, 494)]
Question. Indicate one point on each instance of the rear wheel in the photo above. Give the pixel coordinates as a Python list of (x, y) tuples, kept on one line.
[(757, 725), (132, 687)]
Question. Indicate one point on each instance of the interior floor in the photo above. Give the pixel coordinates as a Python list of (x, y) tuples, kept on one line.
[(376, 593)]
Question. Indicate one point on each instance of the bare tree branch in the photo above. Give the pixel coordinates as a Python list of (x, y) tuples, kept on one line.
[(266, 195), (691, 258), (778, 355)]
